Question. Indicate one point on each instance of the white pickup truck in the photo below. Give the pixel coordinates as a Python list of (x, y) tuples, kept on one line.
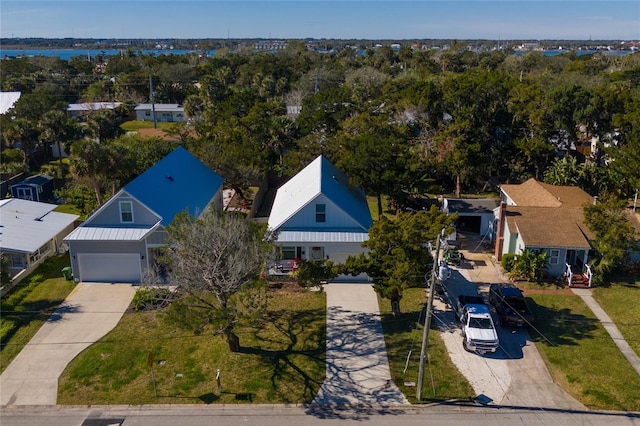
[(478, 331)]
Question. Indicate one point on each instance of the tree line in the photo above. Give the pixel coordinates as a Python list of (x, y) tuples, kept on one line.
[(401, 123)]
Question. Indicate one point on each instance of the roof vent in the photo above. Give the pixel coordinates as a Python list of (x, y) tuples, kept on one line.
[(171, 179)]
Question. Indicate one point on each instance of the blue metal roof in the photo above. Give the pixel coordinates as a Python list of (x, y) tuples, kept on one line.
[(178, 182)]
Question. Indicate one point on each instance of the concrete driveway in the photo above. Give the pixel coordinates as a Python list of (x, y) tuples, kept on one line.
[(88, 313), (515, 375), (357, 364)]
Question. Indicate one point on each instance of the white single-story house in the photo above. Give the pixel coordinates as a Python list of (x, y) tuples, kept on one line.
[(170, 113), (122, 239), (318, 215), (88, 108), (31, 232)]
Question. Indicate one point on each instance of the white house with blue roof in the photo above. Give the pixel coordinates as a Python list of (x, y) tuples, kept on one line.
[(318, 215), (121, 240)]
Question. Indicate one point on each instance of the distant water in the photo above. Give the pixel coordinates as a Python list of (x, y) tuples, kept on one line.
[(67, 54)]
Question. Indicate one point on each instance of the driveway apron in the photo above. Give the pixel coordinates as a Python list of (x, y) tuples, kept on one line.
[(357, 363), (515, 375), (88, 313)]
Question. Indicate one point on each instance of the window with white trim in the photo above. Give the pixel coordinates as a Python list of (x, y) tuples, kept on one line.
[(554, 256), (321, 213), (126, 212)]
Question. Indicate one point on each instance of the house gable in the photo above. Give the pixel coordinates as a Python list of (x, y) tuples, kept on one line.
[(321, 213), (109, 215), (320, 182)]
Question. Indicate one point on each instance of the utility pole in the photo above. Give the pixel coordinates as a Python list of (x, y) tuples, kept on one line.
[(153, 102), (427, 320)]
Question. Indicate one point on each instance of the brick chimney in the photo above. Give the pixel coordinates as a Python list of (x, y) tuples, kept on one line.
[(500, 233)]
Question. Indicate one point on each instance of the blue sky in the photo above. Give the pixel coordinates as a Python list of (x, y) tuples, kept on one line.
[(364, 19)]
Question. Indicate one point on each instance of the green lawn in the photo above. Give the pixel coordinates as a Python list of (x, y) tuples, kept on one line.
[(283, 362), (621, 301), (404, 334), (581, 356), (30, 304), (133, 125), (71, 209), (372, 202)]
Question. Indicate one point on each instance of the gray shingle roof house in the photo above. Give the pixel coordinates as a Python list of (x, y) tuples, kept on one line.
[(319, 215), (121, 240), (31, 232), (475, 215)]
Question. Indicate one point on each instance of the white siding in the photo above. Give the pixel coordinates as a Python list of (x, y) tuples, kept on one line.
[(306, 217)]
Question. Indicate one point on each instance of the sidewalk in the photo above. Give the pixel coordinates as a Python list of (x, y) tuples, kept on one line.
[(611, 328), (357, 363), (88, 313)]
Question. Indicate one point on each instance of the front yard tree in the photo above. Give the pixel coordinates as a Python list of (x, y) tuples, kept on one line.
[(614, 233), (398, 256), (24, 134), (377, 155), (91, 162), (216, 260)]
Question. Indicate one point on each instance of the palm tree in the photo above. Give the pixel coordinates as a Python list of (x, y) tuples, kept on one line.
[(24, 134)]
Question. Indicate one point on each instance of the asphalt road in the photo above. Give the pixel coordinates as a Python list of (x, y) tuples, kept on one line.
[(265, 415)]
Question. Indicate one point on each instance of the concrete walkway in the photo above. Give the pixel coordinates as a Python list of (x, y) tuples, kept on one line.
[(88, 313), (611, 328), (357, 363)]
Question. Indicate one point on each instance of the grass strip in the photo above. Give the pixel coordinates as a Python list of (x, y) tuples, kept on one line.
[(621, 301), (402, 335), (29, 304), (581, 356)]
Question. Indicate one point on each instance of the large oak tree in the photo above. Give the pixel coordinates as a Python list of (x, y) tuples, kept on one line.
[(216, 260)]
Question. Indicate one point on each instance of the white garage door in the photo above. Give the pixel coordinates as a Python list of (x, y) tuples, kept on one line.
[(109, 267)]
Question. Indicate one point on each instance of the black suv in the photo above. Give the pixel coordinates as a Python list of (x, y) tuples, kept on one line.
[(510, 304)]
